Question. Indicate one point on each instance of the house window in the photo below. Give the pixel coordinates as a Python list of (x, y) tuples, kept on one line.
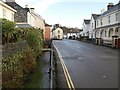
[(109, 34), (116, 16), (12, 16), (105, 33), (58, 36), (108, 19), (58, 31), (97, 23), (4, 13), (101, 22), (92, 25), (101, 33)]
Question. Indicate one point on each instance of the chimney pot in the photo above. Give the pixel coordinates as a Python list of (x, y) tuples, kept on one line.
[(26, 6), (110, 5)]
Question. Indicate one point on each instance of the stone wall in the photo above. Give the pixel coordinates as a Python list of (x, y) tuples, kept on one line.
[(21, 14)]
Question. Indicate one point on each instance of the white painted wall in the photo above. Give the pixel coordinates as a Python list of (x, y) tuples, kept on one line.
[(6, 11), (81, 33), (35, 20), (58, 32), (85, 29), (39, 22), (105, 19), (31, 19), (91, 27)]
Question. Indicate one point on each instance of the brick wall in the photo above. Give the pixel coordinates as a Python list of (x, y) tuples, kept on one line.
[(47, 33)]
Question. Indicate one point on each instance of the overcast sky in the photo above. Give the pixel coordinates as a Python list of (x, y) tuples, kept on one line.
[(66, 12)]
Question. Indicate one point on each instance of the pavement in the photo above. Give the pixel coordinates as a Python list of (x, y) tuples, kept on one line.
[(89, 65), (61, 80)]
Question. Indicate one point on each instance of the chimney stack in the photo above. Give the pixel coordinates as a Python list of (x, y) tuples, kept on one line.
[(110, 5), (26, 6), (32, 9), (10, 0)]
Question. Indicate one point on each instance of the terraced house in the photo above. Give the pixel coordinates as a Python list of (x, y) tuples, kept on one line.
[(26, 17), (6, 11), (108, 24), (92, 25)]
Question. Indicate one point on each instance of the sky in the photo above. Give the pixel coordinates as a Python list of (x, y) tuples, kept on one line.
[(70, 13)]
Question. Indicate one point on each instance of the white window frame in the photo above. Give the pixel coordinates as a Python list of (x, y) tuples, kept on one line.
[(12, 16), (101, 21), (4, 13), (116, 16), (109, 19)]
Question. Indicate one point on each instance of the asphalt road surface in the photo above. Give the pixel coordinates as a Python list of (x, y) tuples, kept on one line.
[(89, 65)]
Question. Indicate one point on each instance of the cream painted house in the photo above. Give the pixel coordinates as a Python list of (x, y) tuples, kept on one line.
[(108, 23), (39, 22), (57, 33), (6, 11)]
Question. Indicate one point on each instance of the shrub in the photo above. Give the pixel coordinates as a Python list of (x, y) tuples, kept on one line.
[(28, 62), (8, 31), (12, 73), (16, 67), (34, 38)]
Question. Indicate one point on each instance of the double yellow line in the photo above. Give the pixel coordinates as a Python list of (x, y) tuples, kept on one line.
[(66, 73)]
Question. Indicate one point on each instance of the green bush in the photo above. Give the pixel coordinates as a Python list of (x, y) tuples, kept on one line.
[(16, 67), (28, 62), (12, 74), (8, 31), (34, 38)]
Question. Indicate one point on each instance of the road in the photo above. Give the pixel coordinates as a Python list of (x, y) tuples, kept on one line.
[(89, 65)]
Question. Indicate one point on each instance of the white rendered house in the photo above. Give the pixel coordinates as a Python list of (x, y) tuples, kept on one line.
[(86, 24), (6, 11), (57, 33), (108, 23), (92, 25)]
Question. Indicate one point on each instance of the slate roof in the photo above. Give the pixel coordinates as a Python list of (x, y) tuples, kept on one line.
[(56, 28), (114, 8), (47, 25), (24, 26), (95, 15), (87, 21)]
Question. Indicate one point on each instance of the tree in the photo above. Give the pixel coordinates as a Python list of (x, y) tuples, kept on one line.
[(8, 31)]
